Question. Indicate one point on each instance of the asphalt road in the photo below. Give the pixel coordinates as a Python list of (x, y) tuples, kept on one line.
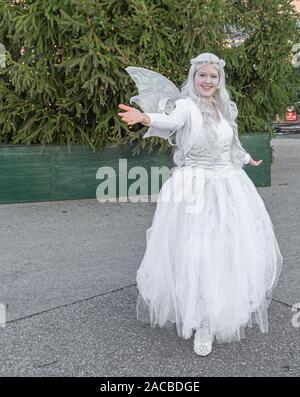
[(67, 274)]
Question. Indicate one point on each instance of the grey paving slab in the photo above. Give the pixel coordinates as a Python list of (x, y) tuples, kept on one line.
[(100, 337), (59, 252), (282, 201)]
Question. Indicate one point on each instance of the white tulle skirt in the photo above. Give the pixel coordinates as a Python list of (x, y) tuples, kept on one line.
[(212, 268)]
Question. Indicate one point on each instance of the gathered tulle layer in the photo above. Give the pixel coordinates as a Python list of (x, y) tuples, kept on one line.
[(215, 267)]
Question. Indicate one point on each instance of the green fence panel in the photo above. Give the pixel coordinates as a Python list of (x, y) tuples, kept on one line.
[(30, 173)]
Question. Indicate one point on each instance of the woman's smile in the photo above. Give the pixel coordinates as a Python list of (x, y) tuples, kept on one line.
[(206, 80)]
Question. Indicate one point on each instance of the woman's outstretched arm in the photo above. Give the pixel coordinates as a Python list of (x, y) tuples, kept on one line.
[(172, 121)]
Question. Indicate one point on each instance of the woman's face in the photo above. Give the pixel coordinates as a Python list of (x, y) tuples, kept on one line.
[(206, 80)]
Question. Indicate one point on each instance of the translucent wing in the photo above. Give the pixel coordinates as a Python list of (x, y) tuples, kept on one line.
[(157, 94), (152, 88)]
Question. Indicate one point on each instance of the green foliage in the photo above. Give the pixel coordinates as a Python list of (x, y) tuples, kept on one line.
[(65, 65)]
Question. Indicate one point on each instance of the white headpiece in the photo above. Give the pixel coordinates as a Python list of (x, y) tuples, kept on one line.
[(207, 57)]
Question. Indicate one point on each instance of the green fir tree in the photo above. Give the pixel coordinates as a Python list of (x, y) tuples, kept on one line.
[(64, 73)]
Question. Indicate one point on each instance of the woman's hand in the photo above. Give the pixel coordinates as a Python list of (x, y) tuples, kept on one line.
[(255, 163), (132, 115)]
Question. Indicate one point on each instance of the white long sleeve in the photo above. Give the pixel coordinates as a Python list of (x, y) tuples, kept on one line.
[(246, 157), (243, 156), (172, 121)]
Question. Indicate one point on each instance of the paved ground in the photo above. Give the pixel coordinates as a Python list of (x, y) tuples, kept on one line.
[(67, 272)]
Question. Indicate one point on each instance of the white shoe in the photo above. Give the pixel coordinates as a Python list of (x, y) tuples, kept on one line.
[(201, 348)]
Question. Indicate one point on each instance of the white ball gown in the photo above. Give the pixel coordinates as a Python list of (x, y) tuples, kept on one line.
[(212, 268)]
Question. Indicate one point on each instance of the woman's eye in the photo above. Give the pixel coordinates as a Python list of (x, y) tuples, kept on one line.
[(203, 75)]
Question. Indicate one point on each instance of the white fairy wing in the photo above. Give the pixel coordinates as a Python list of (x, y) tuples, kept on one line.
[(152, 87), (153, 102), (157, 94)]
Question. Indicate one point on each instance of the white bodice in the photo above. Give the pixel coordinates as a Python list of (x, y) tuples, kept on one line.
[(187, 120), (220, 160)]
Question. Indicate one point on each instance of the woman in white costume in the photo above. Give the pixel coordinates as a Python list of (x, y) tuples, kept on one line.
[(212, 257)]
